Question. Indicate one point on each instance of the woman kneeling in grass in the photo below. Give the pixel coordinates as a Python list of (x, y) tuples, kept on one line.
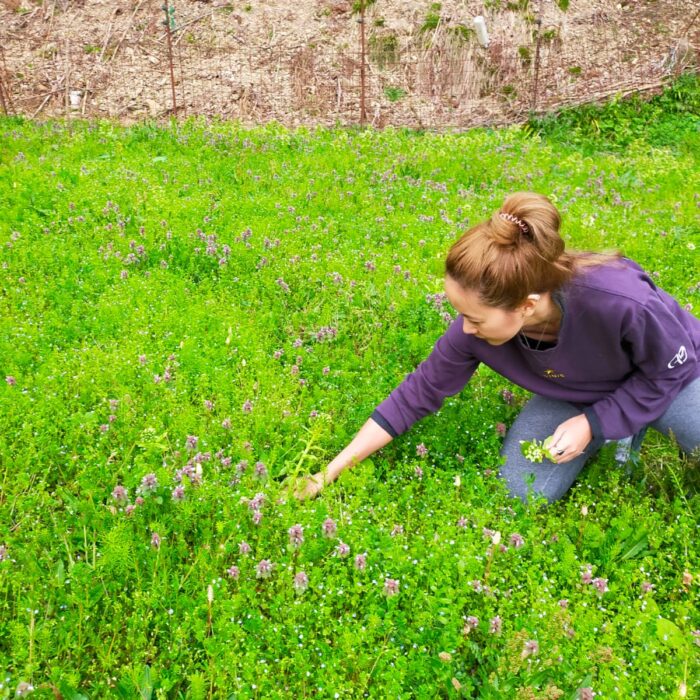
[(605, 352)]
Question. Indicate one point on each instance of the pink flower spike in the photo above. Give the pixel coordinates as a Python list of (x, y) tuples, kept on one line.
[(517, 540), (421, 450), (233, 572), (296, 536), (601, 584), (243, 548), (155, 540), (329, 528), (120, 493), (263, 569), (301, 582), (391, 587), (530, 649), (361, 562), (586, 694), (11, 381), (342, 550), (496, 625)]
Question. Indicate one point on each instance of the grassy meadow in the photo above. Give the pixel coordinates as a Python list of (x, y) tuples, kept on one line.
[(190, 314)]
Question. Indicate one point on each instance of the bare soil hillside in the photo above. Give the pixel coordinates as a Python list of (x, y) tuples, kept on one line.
[(302, 62)]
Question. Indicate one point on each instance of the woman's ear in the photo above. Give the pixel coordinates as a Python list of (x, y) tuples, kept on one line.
[(528, 306)]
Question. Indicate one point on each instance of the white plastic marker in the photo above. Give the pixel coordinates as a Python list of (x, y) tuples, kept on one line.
[(481, 33)]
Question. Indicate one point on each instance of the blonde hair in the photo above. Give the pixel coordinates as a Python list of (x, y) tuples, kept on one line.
[(518, 251)]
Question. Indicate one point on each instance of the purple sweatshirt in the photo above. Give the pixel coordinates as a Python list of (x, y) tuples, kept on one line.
[(625, 350)]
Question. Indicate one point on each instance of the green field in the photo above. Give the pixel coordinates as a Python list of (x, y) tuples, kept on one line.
[(216, 309)]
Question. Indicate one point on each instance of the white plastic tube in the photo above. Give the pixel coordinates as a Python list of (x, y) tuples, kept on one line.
[(481, 32)]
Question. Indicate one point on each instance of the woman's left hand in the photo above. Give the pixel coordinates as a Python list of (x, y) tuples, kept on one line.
[(570, 439)]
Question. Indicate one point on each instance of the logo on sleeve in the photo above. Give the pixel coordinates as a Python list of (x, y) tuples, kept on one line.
[(679, 358)]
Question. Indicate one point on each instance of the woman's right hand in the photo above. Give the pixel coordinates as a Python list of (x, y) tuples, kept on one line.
[(309, 486)]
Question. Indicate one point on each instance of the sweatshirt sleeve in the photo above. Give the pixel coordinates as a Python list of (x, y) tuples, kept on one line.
[(663, 355), (444, 373)]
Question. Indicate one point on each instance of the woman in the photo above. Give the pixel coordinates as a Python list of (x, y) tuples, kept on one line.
[(605, 352)]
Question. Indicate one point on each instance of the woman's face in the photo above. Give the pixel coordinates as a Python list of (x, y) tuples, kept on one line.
[(491, 324)]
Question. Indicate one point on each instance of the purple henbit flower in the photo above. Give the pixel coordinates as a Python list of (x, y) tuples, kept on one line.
[(257, 501), (470, 624), (247, 406), (120, 493), (313, 414), (418, 472), (129, 509), (243, 547), (329, 528), (226, 461), (462, 522), (530, 648), (277, 354), (234, 572), (587, 575), (342, 550), (361, 562), (601, 584), (421, 450), (104, 428), (326, 370), (488, 534), (139, 501), (242, 466), (156, 378), (209, 405), (257, 517), (226, 424), (301, 582), (564, 603), (149, 483), (508, 396), (647, 587), (496, 625), (23, 689), (283, 285), (263, 569), (3, 552), (586, 694), (696, 635), (191, 442), (260, 471), (178, 493), (296, 535), (391, 587), (155, 540), (113, 404), (397, 530), (501, 429), (111, 418), (297, 343), (517, 540)]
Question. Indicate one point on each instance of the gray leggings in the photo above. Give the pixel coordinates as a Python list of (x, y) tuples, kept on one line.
[(540, 417)]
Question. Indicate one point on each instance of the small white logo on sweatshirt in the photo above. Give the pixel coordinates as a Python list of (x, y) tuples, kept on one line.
[(680, 357)]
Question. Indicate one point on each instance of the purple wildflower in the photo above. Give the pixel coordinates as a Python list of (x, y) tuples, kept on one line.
[(191, 442), (277, 354), (209, 405), (501, 429), (296, 535), (517, 540), (530, 648), (283, 285), (329, 528), (178, 493), (129, 509), (462, 522), (138, 501), (587, 575), (120, 493), (257, 517), (586, 694), (326, 370), (263, 569), (391, 587), (418, 472), (564, 603), (111, 418), (397, 530), (601, 584), (496, 625), (226, 424), (260, 471), (695, 633), (470, 624), (297, 343), (647, 587), (155, 540), (233, 572), (301, 582), (23, 689), (3, 552), (421, 450), (342, 550), (149, 483), (10, 380), (247, 406), (242, 466), (361, 561), (243, 547), (508, 396)]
